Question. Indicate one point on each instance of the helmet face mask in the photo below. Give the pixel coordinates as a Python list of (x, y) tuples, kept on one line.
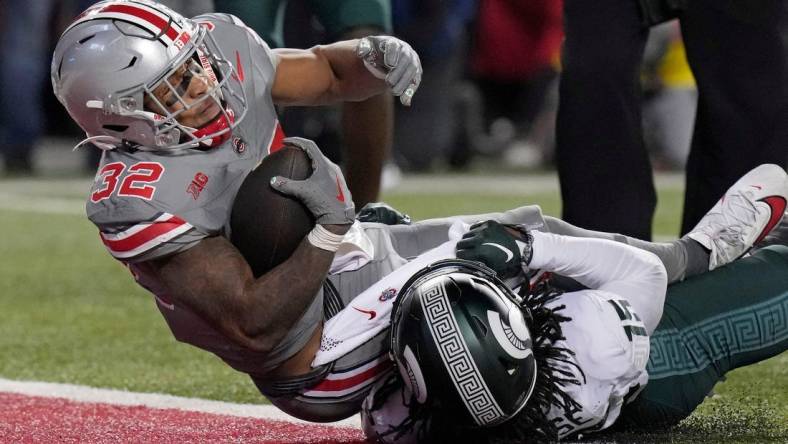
[(201, 118), (110, 61), (462, 343)]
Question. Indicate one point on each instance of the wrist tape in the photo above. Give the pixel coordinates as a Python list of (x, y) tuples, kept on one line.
[(324, 239)]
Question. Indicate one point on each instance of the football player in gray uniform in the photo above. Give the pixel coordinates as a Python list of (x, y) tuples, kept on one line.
[(183, 110)]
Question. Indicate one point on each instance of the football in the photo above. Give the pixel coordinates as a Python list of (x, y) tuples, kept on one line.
[(267, 226)]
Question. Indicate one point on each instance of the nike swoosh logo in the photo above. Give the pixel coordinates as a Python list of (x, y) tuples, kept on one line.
[(777, 206), (509, 254), (757, 186), (340, 193), (371, 313)]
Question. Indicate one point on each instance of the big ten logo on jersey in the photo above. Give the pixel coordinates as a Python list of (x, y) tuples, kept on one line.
[(635, 331), (137, 180), (197, 185)]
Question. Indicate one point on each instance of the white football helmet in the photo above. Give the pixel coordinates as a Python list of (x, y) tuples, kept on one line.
[(115, 54)]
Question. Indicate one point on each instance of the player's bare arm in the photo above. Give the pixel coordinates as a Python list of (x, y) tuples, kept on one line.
[(333, 71), (214, 280), (351, 70)]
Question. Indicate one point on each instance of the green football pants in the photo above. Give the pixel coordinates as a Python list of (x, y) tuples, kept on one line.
[(715, 322)]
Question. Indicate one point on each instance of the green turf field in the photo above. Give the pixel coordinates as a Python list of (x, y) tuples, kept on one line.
[(70, 313)]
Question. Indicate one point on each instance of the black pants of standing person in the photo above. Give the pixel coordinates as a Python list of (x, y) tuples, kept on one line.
[(739, 60)]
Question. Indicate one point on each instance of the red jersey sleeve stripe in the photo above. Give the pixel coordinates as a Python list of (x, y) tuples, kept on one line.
[(340, 385), (143, 237), (114, 237), (160, 218)]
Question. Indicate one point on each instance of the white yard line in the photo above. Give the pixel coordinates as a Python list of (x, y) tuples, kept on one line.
[(47, 196), (154, 400), (76, 187), (38, 204)]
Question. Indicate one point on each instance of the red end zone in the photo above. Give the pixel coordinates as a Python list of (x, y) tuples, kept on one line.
[(28, 419)]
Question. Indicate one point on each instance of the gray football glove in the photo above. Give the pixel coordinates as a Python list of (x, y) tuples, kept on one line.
[(382, 213), (324, 192), (492, 244), (394, 60)]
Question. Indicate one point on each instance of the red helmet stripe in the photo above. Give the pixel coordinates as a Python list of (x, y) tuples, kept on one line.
[(147, 16)]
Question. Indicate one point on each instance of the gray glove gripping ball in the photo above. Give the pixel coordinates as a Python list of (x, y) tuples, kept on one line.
[(325, 192)]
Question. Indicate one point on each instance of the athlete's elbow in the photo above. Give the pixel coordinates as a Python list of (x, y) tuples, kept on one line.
[(261, 344), (252, 332), (655, 282), (256, 339), (351, 91), (654, 270)]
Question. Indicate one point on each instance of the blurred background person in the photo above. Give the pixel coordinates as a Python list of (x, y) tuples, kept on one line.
[(437, 30), (189, 8), (25, 55), (514, 63), (26, 38), (365, 127), (669, 98), (738, 59)]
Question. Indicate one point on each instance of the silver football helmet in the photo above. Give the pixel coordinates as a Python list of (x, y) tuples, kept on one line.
[(111, 59)]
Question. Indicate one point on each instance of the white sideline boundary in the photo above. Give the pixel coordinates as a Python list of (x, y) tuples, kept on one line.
[(42, 205), (81, 393)]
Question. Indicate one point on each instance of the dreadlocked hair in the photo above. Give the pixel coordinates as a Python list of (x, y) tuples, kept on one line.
[(553, 375), (418, 414)]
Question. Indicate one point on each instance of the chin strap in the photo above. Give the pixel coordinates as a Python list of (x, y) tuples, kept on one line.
[(102, 142), (222, 122)]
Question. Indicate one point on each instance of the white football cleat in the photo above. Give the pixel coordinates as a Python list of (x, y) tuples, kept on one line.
[(748, 211)]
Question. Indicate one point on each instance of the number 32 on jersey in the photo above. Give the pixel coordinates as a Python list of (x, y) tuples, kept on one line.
[(135, 181)]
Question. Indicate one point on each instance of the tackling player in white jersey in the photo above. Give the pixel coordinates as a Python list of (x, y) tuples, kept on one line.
[(480, 362)]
